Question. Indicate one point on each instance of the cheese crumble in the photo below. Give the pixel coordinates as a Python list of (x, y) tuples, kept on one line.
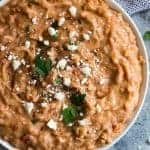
[(52, 31), (28, 106), (84, 122), (72, 47), (86, 70), (60, 96), (52, 124), (61, 21), (67, 82), (34, 20), (2, 48), (27, 44), (62, 64), (73, 11), (16, 64)]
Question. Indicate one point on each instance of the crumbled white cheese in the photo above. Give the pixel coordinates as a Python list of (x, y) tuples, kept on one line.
[(73, 11), (46, 42), (97, 60), (33, 82), (73, 34), (16, 64), (38, 51), (65, 106), (86, 36), (48, 86), (70, 124), (68, 68), (78, 63), (81, 114), (27, 44), (98, 108), (61, 21), (62, 64), (84, 81), (34, 20), (84, 122), (52, 31), (28, 106), (61, 118), (59, 96), (89, 32), (17, 89), (10, 57), (86, 70), (104, 81), (14, 57), (67, 82), (52, 124), (40, 38), (28, 66), (44, 104), (72, 47), (23, 61), (2, 48)]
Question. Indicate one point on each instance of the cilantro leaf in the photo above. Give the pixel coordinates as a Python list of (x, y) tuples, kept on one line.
[(42, 65), (77, 98), (147, 35), (55, 37), (58, 81), (39, 72), (69, 114)]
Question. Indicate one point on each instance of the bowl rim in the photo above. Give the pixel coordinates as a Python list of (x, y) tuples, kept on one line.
[(114, 5), (3, 2)]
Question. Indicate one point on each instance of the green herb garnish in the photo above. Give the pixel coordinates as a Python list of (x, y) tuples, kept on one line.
[(147, 35), (69, 114), (55, 36), (58, 81), (42, 66), (77, 98)]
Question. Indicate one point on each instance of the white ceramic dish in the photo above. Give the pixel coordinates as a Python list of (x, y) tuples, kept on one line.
[(144, 87), (3, 2)]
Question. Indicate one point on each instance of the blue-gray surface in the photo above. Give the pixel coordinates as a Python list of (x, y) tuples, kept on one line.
[(136, 138)]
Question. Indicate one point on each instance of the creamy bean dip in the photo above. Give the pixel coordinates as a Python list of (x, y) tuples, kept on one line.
[(70, 74)]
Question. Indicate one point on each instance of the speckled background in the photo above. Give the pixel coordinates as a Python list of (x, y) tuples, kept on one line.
[(137, 136)]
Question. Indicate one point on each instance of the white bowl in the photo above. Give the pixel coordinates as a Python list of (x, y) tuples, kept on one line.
[(144, 87), (3, 2)]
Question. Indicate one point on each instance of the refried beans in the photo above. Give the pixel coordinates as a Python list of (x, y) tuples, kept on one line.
[(70, 74)]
